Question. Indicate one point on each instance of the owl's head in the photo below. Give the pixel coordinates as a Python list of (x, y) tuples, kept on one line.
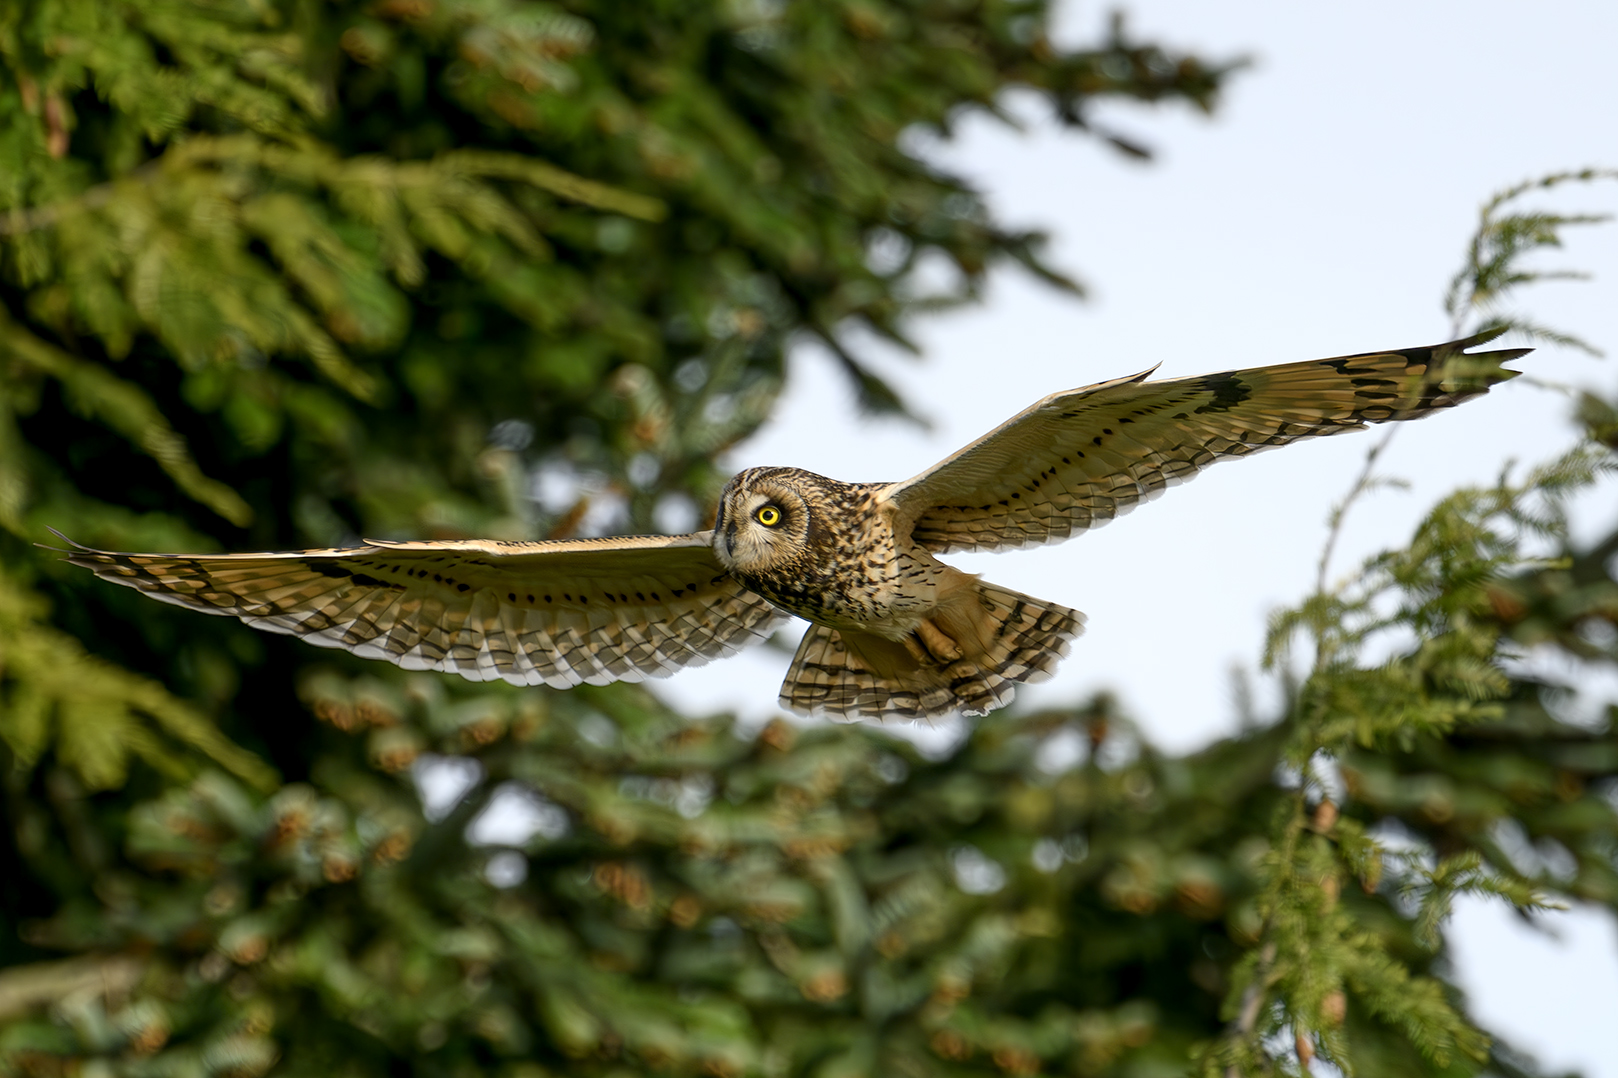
[(764, 520)]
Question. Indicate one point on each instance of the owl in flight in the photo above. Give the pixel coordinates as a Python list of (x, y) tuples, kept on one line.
[(894, 631)]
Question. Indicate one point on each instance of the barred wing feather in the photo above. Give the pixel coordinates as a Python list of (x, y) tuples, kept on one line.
[(558, 613), (1076, 460)]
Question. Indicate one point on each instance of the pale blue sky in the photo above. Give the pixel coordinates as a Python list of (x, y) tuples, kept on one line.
[(1320, 213)]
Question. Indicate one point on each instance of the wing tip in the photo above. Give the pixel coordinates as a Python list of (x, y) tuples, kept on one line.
[(1458, 348), (73, 546)]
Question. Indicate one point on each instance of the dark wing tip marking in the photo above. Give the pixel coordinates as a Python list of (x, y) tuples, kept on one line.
[(1228, 391), (365, 580), (326, 568)]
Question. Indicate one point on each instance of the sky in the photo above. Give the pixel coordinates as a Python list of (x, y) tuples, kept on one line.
[(1320, 212)]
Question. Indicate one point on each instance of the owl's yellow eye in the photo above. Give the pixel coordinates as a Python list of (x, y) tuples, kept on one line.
[(769, 516)]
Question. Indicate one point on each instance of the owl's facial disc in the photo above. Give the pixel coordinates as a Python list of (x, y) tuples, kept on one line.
[(760, 526)]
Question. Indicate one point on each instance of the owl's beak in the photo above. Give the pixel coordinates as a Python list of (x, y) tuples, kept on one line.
[(724, 531)]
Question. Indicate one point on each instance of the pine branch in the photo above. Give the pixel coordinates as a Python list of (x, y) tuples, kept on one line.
[(1494, 267), (125, 408)]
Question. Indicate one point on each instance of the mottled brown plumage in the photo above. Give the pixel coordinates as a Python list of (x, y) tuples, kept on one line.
[(895, 631)]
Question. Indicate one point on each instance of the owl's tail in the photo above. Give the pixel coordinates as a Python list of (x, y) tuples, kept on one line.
[(976, 649)]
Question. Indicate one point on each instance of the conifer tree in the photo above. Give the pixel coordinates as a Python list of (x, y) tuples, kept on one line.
[(277, 274)]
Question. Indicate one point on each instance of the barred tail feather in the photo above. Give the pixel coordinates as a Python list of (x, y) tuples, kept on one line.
[(1004, 639)]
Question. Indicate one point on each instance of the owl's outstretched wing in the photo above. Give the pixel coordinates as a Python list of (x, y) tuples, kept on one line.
[(1076, 460), (561, 613)]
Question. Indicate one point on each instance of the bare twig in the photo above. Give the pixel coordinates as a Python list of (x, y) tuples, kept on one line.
[(1362, 485), (1252, 1001), (22, 988)]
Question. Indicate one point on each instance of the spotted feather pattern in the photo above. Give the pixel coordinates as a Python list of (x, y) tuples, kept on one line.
[(559, 613), (844, 674), (1077, 460)]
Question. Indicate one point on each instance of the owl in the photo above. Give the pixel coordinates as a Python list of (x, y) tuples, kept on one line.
[(894, 632)]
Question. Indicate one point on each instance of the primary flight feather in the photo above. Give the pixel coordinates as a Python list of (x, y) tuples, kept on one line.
[(895, 632)]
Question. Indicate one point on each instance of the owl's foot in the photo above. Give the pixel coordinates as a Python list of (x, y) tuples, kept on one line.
[(930, 646)]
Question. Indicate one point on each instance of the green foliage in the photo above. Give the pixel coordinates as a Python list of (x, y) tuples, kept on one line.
[(1421, 741), (95, 715), (280, 274), (1495, 264), (1433, 609), (821, 901)]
